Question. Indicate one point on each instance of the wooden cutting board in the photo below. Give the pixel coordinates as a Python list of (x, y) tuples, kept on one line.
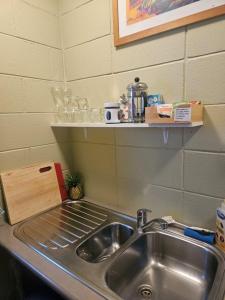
[(30, 190)]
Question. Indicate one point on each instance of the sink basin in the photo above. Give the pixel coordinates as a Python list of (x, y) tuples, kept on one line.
[(162, 266), (104, 243)]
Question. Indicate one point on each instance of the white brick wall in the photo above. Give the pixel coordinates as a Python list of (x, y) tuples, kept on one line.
[(30, 63), (131, 168)]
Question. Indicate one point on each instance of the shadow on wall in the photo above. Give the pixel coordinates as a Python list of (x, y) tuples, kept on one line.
[(209, 137), (62, 136)]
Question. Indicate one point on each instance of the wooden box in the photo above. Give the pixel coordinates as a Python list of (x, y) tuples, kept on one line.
[(165, 114)]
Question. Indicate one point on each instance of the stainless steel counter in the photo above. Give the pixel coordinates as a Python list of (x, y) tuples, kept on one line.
[(60, 235), (69, 286)]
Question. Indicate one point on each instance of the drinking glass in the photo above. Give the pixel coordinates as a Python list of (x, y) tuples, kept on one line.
[(57, 95), (84, 109), (83, 103), (96, 115), (75, 109), (67, 103)]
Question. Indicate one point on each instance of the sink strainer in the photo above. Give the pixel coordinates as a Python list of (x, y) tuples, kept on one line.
[(145, 291)]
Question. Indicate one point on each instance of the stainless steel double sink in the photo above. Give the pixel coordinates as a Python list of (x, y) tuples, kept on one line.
[(103, 249)]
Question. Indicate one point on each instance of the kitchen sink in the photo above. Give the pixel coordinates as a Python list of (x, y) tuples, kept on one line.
[(163, 266), (104, 250), (104, 243)]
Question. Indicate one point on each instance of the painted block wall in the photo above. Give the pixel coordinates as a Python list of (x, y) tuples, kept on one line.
[(30, 63), (131, 168)]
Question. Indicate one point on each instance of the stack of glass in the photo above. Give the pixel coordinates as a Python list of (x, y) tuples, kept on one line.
[(74, 109)]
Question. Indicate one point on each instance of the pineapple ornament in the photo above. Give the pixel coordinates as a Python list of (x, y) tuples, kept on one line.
[(75, 187)]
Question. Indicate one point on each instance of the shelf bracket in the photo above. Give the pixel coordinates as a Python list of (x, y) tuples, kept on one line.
[(85, 130), (165, 135)]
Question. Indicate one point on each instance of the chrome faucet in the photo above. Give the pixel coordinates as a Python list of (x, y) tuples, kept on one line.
[(142, 223), (142, 217)]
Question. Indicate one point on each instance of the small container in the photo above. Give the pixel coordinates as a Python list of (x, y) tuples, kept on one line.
[(220, 227), (153, 100), (124, 109), (112, 112)]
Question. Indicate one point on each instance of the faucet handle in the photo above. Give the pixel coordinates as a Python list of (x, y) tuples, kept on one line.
[(143, 210)]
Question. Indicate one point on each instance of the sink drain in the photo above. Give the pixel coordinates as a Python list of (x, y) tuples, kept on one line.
[(145, 291)]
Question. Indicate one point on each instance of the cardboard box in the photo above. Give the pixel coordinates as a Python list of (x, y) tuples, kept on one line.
[(166, 114)]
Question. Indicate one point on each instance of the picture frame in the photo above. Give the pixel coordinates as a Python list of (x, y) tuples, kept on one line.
[(137, 19)]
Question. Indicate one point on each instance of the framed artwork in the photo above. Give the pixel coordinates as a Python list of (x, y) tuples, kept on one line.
[(136, 19)]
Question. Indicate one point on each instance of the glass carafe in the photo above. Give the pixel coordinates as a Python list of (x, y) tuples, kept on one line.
[(137, 96)]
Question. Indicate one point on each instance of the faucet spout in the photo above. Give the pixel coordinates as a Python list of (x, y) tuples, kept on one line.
[(158, 222)]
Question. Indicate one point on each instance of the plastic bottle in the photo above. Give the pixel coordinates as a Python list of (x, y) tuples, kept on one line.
[(220, 227)]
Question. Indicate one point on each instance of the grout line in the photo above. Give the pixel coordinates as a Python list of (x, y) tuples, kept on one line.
[(152, 147), (34, 146), (75, 7), (90, 77), (97, 76), (168, 188), (24, 148), (40, 8), (150, 66), (204, 195), (182, 205), (128, 71), (214, 104), (111, 18), (185, 65), (29, 77), (25, 113), (162, 147), (71, 163), (14, 150), (182, 169), (181, 191), (184, 96), (62, 51), (87, 41), (116, 169), (182, 154), (128, 146), (206, 55), (205, 151), (91, 143), (28, 40)]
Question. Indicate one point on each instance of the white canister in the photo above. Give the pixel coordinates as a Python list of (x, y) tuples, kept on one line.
[(111, 112)]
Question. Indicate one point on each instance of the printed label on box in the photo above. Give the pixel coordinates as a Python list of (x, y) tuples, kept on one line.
[(182, 114), (165, 110)]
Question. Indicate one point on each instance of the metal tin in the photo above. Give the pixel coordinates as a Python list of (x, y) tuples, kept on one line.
[(111, 112)]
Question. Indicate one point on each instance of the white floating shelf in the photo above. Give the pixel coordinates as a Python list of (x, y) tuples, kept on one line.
[(125, 125)]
